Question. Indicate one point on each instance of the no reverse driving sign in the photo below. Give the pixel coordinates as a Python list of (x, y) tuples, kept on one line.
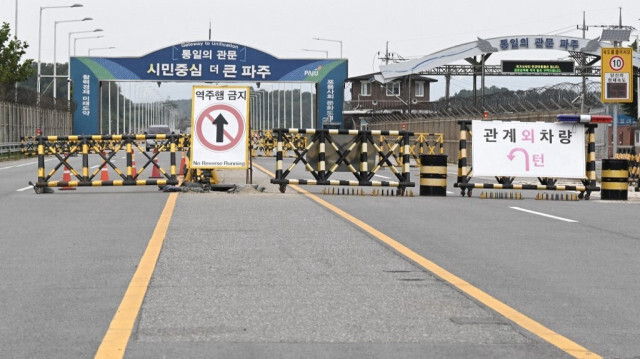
[(219, 127)]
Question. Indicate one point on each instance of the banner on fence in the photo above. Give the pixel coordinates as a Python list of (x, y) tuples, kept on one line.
[(528, 149)]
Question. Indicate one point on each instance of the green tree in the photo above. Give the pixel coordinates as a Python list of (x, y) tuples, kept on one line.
[(11, 52)]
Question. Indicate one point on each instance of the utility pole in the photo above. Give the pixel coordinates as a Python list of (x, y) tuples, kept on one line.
[(584, 29)]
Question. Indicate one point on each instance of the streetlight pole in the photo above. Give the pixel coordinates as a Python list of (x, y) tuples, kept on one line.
[(15, 31), (326, 53), (82, 38), (338, 41), (40, 41), (55, 63), (100, 48)]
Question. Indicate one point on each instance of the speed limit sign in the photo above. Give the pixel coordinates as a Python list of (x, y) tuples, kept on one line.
[(617, 75), (616, 63)]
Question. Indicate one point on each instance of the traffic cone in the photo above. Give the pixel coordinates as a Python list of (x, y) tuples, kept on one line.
[(182, 164), (133, 164), (155, 173), (104, 175), (66, 177)]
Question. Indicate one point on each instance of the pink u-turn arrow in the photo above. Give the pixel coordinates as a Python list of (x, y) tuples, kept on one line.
[(511, 156)]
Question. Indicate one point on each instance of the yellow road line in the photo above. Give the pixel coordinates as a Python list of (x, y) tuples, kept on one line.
[(115, 340), (563, 343)]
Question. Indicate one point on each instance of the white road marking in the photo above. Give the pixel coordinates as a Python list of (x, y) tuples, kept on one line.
[(381, 176), (449, 192), (24, 189), (544, 215), (16, 166)]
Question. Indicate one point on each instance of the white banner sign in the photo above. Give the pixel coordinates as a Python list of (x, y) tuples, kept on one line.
[(220, 127), (528, 149)]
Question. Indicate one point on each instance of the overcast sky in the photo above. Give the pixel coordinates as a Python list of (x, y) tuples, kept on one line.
[(284, 27)]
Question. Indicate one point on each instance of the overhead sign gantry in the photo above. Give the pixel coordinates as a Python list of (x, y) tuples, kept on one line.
[(430, 64), (204, 61)]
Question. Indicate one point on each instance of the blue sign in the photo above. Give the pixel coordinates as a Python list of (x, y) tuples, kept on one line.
[(205, 61), (624, 120)]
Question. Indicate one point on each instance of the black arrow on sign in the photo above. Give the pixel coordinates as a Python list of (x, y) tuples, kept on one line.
[(219, 122)]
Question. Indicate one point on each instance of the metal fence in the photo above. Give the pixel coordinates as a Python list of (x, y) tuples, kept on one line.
[(19, 120)]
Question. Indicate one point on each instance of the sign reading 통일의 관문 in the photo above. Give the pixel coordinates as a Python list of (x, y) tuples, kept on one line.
[(528, 149), (220, 127)]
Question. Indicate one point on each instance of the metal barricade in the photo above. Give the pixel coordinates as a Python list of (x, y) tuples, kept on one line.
[(346, 156), (64, 147)]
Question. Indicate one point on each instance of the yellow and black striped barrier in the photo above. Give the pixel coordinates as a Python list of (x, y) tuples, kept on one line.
[(464, 173), (433, 175), (615, 179), (634, 165), (326, 167), (420, 143), (85, 145), (97, 144)]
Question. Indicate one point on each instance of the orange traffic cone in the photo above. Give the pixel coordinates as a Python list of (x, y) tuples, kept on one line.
[(133, 164), (155, 173), (104, 175), (66, 177), (182, 164)]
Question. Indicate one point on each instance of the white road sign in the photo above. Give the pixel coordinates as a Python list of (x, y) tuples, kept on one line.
[(220, 127), (528, 149)]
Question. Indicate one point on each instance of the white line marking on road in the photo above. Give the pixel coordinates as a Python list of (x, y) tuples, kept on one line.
[(381, 176), (16, 166), (24, 189), (544, 214), (96, 166), (449, 192), (24, 164)]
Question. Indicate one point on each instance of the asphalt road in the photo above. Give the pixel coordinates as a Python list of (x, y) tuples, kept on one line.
[(277, 275)]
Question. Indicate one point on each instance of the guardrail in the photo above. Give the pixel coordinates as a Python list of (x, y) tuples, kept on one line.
[(10, 148)]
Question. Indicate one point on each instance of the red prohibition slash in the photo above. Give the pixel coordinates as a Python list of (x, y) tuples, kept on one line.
[(207, 115)]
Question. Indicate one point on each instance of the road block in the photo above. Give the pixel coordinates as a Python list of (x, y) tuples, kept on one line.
[(326, 167), (93, 144), (433, 175), (615, 179)]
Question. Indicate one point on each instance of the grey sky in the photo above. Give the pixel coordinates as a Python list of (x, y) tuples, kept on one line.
[(284, 27)]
